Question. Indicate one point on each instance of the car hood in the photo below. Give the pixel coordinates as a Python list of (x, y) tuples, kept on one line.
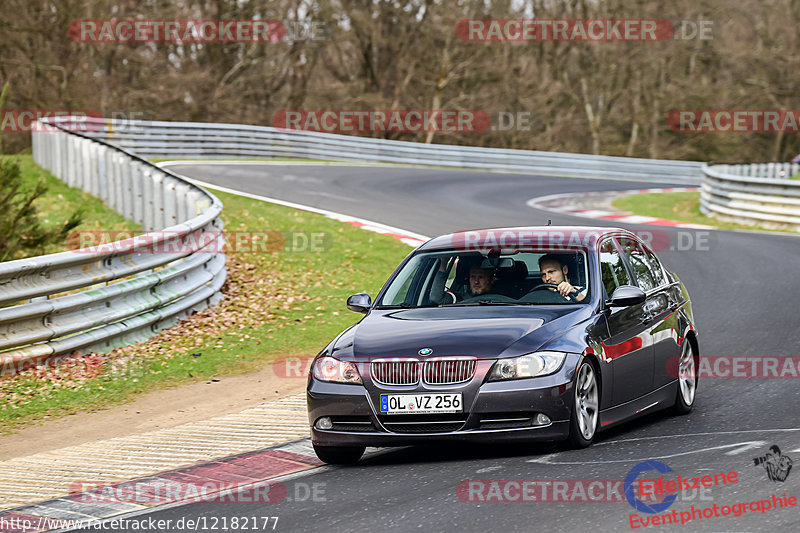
[(485, 331)]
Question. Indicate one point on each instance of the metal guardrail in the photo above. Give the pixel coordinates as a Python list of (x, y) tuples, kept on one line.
[(754, 194), (201, 140), (127, 291)]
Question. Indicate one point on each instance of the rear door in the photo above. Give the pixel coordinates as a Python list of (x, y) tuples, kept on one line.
[(629, 348), (661, 324)]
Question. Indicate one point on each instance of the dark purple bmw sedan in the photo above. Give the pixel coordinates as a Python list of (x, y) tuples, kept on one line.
[(511, 334)]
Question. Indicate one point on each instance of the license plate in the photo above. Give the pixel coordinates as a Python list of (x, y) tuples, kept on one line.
[(394, 404)]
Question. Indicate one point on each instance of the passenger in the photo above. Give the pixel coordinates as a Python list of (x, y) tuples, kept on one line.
[(555, 271), (481, 280)]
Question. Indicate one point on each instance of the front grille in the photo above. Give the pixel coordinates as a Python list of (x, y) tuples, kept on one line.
[(399, 372), (442, 371), (443, 427), (431, 426), (441, 423), (448, 371), (359, 423)]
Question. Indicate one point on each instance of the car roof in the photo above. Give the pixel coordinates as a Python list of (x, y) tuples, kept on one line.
[(511, 237)]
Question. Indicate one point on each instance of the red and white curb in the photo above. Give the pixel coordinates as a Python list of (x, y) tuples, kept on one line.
[(254, 477), (411, 239), (575, 204)]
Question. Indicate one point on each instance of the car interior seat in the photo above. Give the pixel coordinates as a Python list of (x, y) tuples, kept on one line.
[(511, 280)]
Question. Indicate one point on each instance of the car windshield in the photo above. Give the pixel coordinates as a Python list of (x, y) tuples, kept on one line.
[(507, 277)]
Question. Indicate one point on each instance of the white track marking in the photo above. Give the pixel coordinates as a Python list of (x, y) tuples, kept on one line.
[(751, 446), (546, 459)]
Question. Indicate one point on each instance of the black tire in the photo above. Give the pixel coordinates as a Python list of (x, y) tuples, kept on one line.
[(339, 455), (585, 406), (687, 380)]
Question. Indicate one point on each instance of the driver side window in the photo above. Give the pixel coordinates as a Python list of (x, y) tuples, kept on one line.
[(612, 268)]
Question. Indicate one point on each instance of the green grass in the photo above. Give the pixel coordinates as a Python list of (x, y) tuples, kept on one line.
[(678, 206), (60, 200), (280, 303)]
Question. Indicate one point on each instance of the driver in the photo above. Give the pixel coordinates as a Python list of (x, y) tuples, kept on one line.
[(555, 272)]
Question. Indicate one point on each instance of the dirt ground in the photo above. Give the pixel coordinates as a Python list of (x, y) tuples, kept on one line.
[(156, 410)]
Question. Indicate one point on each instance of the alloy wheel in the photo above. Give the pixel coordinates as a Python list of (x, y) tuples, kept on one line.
[(586, 402), (687, 375)]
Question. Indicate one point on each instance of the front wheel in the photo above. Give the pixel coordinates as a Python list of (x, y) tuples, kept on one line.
[(585, 407), (339, 455), (687, 381)]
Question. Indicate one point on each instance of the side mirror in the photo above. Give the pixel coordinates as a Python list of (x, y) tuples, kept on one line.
[(626, 296), (359, 303)]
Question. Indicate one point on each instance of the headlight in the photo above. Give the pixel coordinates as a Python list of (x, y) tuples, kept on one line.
[(331, 369), (527, 366)]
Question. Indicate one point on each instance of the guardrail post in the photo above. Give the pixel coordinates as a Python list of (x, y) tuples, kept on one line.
[(157, 200), (101, 190), (127, 191), (170, 201), (149, 192), (137, 179)]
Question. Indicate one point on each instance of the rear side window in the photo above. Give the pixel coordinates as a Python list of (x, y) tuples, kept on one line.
[(640, 264), (612, 267)]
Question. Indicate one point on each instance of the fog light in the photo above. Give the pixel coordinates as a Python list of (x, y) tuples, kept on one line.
[(325, 423), (541, 420)]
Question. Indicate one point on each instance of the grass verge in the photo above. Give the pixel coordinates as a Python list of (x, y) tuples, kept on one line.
[(678, 206), (278, 302), (61, 200)]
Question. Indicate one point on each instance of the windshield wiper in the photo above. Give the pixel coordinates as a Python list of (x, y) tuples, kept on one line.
[(406, 306), (490, 302), (395, 306)]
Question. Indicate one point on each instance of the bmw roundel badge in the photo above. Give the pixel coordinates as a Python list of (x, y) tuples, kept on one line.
[(425, 351)]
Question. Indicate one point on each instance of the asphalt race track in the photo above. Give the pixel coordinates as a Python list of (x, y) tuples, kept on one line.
[(745, 291)]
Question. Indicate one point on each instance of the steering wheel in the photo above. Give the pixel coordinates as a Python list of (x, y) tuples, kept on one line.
[(553, 287), (449, 295)]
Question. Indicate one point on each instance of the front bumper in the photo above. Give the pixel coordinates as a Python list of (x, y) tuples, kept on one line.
[(494, 412)]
